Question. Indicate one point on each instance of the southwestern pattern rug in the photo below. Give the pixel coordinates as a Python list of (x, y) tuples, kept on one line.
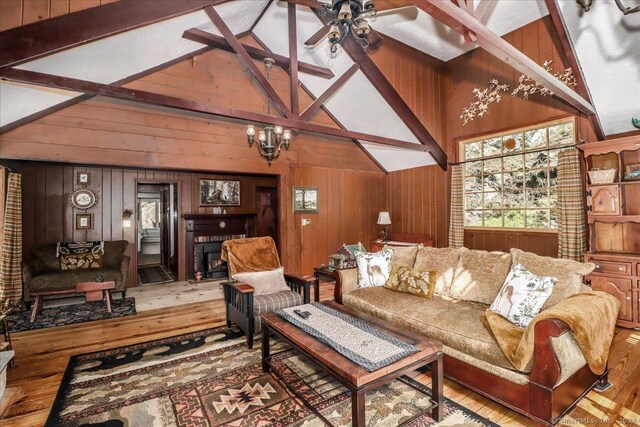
[(210, 378), (71, 314)]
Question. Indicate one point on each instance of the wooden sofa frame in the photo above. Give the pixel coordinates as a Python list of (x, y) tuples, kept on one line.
[(540, 400), (238, 299)]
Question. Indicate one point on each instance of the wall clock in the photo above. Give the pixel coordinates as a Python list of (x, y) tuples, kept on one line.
[(82, 198)]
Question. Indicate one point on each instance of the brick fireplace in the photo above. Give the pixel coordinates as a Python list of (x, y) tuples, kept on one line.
[(204, 235)]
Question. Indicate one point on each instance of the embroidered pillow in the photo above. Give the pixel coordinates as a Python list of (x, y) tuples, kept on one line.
[(80, 261), (264, 282), (522, 295), (374, 268), (412, 281)]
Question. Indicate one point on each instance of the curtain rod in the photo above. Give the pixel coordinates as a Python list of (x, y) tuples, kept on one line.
[(511, 154)]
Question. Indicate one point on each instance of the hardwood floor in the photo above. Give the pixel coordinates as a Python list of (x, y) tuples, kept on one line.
[(42, 356)]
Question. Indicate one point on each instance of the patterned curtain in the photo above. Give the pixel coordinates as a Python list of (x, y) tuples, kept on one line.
[(10, 268), (456, 219), (572, 224)]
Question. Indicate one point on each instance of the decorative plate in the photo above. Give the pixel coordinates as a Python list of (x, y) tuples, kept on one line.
[(82, 198)]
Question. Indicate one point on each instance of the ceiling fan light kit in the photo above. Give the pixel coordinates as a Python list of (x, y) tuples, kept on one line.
[(349, 19), (586, 6)]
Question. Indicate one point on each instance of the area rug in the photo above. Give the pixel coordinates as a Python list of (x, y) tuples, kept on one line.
[(70, 314), (210, 378), (154, 274)]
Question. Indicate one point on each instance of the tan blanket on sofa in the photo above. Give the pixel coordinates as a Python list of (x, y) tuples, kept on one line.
[(591, 316), (249, 255)]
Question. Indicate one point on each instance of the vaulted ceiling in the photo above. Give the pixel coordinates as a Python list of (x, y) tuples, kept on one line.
[(607, 46)]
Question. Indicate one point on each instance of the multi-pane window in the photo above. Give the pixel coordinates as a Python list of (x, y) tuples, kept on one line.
[(510, 178)]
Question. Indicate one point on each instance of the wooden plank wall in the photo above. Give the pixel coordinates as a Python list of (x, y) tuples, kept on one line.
[(418, 199), (48, 216), (125, 140), (14, 13)]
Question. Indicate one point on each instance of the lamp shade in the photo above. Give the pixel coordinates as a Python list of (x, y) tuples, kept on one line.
[(384, 218)]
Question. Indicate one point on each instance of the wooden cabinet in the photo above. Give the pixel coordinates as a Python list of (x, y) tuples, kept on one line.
[(622, 289), (603, 200), (613, 212)]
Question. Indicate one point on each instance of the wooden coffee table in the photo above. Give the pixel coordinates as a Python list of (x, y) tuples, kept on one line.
[(354, 377)]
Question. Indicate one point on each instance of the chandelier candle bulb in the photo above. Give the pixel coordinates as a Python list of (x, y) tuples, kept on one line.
[(363, 28), (262, 137), (277, 130), (251, 130), (345, 11)]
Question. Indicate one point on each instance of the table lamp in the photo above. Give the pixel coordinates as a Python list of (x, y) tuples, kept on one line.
[(384, 220)]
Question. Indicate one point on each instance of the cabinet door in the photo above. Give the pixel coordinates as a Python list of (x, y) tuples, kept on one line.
[(604, 200), (619, 288)]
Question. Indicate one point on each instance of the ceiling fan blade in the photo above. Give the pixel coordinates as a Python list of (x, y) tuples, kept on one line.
[(375, 40), (391, 4), (309, 3), (318, 36)]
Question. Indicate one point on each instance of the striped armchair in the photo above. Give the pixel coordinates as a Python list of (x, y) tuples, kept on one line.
[(243, 307)]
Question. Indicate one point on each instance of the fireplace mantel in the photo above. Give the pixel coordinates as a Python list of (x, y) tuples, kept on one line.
[(205, 226)]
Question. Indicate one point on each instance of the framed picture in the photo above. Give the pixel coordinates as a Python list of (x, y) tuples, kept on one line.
[(305, 200), (84, 221), (632, 172), (217, 192), (83, 178)]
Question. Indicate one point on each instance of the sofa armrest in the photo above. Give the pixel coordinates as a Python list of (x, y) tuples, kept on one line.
[(346, 281), (27, 274), (546, 369), (124, 270)]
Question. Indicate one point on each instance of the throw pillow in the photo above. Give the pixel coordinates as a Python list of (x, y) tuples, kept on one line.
[(403, 256), (570, 274), (480, 275), (441, 260), (374, 268), (80, 261), (412, 281), (522, 295), (264, 282)]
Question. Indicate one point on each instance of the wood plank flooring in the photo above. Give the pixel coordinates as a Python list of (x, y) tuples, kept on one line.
[(42, 356)]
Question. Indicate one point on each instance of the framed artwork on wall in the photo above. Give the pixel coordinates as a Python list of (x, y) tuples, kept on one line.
[(83, 178), (219, 192), (84, 221), (305, 200)]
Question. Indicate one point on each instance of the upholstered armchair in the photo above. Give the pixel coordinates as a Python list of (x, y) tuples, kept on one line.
[(244, 303)]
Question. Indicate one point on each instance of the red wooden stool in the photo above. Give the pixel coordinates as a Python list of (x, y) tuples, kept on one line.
[(94, 291)]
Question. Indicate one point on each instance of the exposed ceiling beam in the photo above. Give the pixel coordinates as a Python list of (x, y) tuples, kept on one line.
[(319, 102), (501, 49), (388, 92), (247, 61), (111, 91), (326, 110), (293, 59), (32, 41), (570, 53), (218, 42)]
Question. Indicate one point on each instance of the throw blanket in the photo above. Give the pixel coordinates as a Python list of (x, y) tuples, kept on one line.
[(590, 315), (253, 254), (77, 248)]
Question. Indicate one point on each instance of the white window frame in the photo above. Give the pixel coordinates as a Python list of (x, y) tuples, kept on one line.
[(521, 131)]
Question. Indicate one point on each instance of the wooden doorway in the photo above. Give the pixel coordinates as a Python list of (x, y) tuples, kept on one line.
[(267, 212), (157, 237)]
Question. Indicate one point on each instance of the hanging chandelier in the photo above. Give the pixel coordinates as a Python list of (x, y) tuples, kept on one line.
[(586, 6), (272, 138), (349, 19)]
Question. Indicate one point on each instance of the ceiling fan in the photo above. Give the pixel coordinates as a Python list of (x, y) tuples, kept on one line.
[(348, 18)]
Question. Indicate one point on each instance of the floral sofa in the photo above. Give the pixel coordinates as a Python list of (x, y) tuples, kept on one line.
[(467, 283)]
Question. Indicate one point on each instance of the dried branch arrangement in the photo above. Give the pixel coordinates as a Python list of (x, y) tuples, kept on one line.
[(526, 87), (530, 87), (484, 98)]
